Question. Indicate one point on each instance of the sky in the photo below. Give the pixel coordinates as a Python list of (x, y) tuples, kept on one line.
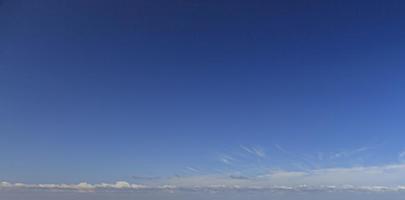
[(206, 94)]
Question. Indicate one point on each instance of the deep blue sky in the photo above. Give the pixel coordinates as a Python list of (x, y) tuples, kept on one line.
[(106, 90)]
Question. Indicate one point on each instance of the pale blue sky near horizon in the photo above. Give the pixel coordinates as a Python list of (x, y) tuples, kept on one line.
[(199, 196), (139, 90)]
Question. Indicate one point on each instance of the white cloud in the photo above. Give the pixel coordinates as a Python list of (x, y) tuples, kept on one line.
[(81, 186), (192, 169), (349, 153), (401, 157), (226, 159), (255, 151), (384, 176), (374, 178)]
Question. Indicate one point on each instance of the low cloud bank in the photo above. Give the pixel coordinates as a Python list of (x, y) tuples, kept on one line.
[(81, 186), (122, 185), (388, 178)]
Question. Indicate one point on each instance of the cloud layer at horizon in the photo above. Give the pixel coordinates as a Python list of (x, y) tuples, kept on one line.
[(374, 179)]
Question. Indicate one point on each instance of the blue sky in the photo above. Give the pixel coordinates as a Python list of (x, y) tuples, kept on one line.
[(156, 92)]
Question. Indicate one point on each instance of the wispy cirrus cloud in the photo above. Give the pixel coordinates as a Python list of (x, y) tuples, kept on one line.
[(386, 175), (256, 151), (346, 157), (348, 153), (401, 156), (193, 169), (227, 159)]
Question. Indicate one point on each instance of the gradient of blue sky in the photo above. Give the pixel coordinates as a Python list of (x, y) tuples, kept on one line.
[(106, 90)]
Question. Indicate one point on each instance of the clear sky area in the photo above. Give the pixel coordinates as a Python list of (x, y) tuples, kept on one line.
[(281, 99)]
